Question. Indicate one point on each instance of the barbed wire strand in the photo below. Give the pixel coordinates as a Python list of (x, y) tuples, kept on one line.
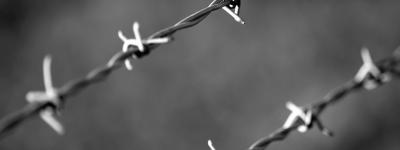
[(73, 87), (369, 77)]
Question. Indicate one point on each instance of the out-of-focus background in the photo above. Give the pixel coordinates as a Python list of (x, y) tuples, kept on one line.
[(218, 80)]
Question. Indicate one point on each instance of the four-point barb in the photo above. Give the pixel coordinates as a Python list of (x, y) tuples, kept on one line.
[(298, 113), (369, 74), (233, 9), (138, 42), (306, 117), (50, 95)]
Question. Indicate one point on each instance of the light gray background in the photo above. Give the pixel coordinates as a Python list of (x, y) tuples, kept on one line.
[(218, 80)]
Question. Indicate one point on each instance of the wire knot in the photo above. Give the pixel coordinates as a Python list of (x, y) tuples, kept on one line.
[(50, 95), (305, 117), (369, 74), (138, 42)]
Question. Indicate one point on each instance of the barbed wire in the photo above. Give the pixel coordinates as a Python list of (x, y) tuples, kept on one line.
[(48, 103), (370, 76)]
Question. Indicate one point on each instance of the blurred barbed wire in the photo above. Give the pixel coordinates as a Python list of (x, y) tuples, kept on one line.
[(370, 76)]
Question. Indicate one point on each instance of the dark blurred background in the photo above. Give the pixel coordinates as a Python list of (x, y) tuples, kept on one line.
[(218, 80)]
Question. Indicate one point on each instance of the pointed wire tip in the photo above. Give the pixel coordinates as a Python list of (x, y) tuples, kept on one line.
[(121, 35), (235, 16), (128, 65), (302, 129), (159, 40), (289, 104), (365, 54), (210, 144), (294, 108), (136, 25), (49, 118), (240, 20), (364, 48), (60, 131), (48, 83), (46, 61), (136, 30), (47, 57)]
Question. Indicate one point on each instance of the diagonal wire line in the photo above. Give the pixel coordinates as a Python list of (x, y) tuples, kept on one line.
[(73, 87), (387, 66)]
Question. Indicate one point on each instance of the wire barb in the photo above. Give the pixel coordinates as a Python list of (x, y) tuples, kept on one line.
[(302, 119), (233, 9), (369, 73), (298, 113), (50, 95), (138, 42)]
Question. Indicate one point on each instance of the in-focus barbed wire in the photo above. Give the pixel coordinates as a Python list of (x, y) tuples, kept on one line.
[(49, 102), (370, 76)]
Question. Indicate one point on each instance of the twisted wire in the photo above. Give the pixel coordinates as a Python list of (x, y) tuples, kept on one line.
[(73, 87)]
